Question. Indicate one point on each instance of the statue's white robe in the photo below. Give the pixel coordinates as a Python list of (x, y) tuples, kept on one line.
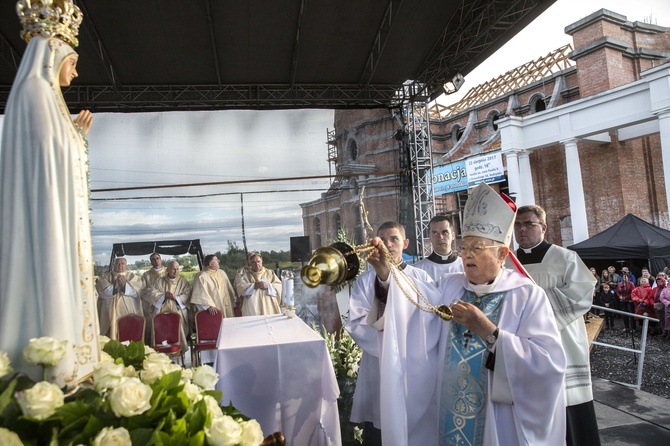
[(46, 259)]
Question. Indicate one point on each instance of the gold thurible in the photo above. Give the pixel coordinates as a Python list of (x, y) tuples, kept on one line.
[(335, 264)]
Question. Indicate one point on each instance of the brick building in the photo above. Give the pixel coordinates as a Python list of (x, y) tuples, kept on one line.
[(580, 135)]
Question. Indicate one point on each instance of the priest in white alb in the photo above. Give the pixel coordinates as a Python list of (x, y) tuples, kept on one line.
[(119, 293), (172, 294), (258, 288)]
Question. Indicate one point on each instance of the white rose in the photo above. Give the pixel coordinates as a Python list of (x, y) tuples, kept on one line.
[(108, 375), (130, 372), (151, 375), (187, 375), (155, 366), (252, 434), (102, 341), (191, 391), (45, 350), (105, 358), (148, 350), (40, 401), (224, 431), (9, 438), (131, 397), (5, 367), (206, 377), (112, 437), (213, 407)]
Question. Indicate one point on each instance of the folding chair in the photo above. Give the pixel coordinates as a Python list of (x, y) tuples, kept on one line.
[(166, 328), (130, 327), (206, 333)]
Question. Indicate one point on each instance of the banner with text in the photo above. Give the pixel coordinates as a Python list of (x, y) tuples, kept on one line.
[(468, 173)]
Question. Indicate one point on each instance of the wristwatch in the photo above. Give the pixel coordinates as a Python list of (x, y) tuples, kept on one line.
[(492, 338)]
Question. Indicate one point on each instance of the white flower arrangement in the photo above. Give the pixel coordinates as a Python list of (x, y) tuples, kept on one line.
[(136, 396), (346, 356)]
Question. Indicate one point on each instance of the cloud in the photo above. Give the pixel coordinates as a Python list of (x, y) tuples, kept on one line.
[(149, 149)]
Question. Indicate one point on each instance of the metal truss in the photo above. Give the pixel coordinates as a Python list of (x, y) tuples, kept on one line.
[(469, 37), (417, 160), (104, 98)]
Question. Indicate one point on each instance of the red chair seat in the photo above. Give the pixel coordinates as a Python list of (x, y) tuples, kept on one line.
[(167, 349), (166, 327), (206, 332)]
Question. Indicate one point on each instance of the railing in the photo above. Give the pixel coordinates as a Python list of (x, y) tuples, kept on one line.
[(643, 341)]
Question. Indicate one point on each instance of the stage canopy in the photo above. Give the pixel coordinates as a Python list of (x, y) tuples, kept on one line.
[(168, 247), (161, 55), (629, 239)]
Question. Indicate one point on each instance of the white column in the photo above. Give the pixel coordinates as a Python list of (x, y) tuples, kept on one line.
[(526, 178), (513, 176), (664, 125), (580, 229)]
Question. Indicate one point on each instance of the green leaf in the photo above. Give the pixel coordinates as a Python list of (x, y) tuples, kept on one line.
[(7, 395), (114, 349), (141, 436), (196, 422), (93, 426), (216, 394), (198, 439), (74, 417), (162, 439), (169, 381), (135, 354)]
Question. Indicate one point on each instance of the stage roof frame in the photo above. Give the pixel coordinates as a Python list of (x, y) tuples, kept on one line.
[(165, 55)]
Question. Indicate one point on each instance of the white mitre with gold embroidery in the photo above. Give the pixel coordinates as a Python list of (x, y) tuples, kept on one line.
[(488, 215), (50, 18)]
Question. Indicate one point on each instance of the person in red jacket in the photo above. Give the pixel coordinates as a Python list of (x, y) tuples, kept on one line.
[(644, 296), (624, 290)]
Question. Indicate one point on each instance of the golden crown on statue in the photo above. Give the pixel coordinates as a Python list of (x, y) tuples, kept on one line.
[(50, 18)]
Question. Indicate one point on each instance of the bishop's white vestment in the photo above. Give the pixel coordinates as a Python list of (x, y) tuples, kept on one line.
[(521, 402)]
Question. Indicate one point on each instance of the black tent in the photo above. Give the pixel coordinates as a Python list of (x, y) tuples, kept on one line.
[(170, 247), (629, 239)]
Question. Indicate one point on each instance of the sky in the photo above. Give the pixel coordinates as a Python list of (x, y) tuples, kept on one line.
[(547, 33), (148, 149)]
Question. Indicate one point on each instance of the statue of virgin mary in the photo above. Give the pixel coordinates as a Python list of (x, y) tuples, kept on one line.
[(46, 264)]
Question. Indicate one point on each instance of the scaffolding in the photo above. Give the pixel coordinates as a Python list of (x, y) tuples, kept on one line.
[(421, 167), (331, 142)]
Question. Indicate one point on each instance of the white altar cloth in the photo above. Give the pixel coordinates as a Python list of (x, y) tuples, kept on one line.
[(278, 371)]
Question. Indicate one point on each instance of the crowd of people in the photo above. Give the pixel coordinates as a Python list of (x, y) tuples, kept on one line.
[(256, 290), (646, 295)]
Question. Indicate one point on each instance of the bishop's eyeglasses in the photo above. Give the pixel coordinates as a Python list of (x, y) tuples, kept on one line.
[(473, 248)]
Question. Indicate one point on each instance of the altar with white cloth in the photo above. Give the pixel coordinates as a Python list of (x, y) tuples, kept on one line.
[(277, 370)]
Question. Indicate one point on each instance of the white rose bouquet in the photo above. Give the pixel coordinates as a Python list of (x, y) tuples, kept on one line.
[(345, 355), (136, 396)]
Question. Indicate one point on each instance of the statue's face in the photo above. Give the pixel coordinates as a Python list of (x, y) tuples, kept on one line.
[(68, 71)]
